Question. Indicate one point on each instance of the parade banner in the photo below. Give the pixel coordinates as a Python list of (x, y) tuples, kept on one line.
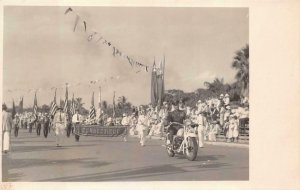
[(101, 131)]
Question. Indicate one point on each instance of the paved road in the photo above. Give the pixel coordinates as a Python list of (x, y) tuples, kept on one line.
[(110, 159)]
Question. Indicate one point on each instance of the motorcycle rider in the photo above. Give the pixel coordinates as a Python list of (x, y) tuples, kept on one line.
[(175, 116)]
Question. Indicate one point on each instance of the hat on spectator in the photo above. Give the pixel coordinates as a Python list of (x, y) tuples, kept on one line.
[(4, 107), (222, 95), (226, 95)]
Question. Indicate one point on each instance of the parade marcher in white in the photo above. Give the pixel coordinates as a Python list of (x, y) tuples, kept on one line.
[(200, 120), (60, 125), (7, 124), (75, 121), (142, 126), (133, 122)]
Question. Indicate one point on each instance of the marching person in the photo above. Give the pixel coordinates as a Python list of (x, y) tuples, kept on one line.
[(142, 126), (16, 122), (31, 123), (126, 122), (69, 125), (200, 120), (7, 123), (133, 122), (60, 124), (75, 121), (46, 125), (38, 126)]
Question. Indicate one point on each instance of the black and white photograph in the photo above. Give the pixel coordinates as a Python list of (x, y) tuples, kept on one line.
[(125, 94)]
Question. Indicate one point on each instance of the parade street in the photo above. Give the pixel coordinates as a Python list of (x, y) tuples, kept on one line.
[(110, 159)]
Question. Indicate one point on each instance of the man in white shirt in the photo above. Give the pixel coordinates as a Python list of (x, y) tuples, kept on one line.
[(75, 121), (125, 122)]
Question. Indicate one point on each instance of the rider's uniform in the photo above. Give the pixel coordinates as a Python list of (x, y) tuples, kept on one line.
[(177, 116)]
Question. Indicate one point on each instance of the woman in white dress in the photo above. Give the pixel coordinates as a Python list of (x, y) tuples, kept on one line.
[(60, 125), (142, 126), (7, 124)]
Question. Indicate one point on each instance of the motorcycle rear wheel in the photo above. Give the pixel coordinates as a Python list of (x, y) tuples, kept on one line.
[(192, 149)]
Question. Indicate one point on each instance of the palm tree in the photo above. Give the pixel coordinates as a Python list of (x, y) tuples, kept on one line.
[(241, 64), (216, 86)]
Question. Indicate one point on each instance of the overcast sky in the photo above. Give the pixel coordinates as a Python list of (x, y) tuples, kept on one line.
[(42, 51)]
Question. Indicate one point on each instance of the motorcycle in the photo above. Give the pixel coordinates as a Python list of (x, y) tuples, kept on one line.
[(184, 142)]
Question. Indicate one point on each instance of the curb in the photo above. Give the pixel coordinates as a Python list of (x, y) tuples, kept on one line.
[(227, 144)]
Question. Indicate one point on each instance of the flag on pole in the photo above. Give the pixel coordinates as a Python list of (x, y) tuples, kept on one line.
[(92, 110), (13, 110), (73, 106), (35, 106), (76, 22), (21, 105), (66, 108), (53, 107)]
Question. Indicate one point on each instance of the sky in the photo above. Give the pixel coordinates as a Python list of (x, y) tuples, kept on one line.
[(41, 50)]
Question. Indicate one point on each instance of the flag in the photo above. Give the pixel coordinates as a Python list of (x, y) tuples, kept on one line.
[(66, 108), (35, 106), (21, 105), (92, 110), (153, 86), (73, 106), (76, 22), (84, 25), (68, 10), (53, 107), (13, 112)]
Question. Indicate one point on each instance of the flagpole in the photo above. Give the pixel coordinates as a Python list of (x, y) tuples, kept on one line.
[(114, 111), (99, 96)]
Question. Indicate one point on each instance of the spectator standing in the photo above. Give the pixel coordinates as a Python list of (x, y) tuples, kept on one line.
[(7, 123)]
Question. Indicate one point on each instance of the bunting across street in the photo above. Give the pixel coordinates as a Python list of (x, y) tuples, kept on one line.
[(100, 39)]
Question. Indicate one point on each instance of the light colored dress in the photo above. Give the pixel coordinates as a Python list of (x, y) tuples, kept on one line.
[(60, 125), (142, 128), (7, 124)]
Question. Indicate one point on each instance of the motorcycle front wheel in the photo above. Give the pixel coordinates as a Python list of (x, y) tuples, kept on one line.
[(192, 149), (170, 152)]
